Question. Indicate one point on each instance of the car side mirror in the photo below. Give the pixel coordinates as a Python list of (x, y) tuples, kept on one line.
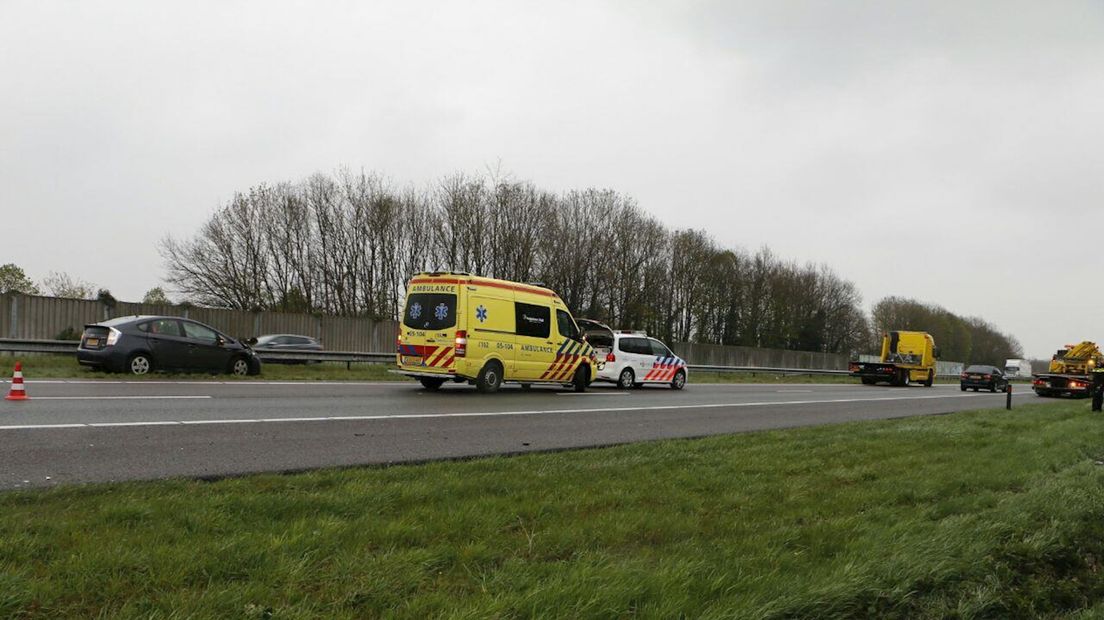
[(936, 353), (220, 341), (251, 341)]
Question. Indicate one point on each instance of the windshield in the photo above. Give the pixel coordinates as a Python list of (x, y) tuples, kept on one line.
[(432, 311)]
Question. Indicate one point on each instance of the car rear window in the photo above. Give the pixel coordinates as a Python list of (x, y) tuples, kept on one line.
[(163, 327), (635, 345), (432, 311), (981, 369)]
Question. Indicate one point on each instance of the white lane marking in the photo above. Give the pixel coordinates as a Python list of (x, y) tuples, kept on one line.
[(794, 391), (591, 393), (481, 414), (118, 397)]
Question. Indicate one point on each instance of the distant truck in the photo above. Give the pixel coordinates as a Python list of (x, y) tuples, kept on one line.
[(1070, 372), (1017, 369), (906, 357)]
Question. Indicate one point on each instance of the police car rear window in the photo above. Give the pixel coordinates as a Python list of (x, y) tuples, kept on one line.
[(432, 311)]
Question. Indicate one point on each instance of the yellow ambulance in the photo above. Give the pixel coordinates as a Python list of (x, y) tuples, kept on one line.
[(460, 327)]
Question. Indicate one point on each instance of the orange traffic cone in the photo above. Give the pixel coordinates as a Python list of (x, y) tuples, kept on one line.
[(17, 391)]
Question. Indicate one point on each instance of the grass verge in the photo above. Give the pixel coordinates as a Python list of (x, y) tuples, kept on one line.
[(981, 514)]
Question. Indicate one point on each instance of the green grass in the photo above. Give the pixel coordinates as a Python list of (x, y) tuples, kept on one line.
[(988, 514), (66, 367)]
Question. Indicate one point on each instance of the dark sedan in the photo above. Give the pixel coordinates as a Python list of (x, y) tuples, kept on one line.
[(289, 343), (142, 344), (983, 377)]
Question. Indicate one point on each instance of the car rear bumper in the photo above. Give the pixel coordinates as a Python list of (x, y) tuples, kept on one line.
[(104, 359), (982, 385)]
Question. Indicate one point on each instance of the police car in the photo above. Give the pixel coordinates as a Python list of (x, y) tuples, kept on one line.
[(632, 358)]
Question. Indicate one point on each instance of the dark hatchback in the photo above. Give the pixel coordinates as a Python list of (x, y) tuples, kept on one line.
[(142, 344), (983, 377)]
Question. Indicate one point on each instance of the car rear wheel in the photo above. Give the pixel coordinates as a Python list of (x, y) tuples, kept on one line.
[(430, 383), (139, 364), (239, 367), (868, 381), (962, 387), (490, 378), (679, 381), (626, 379)]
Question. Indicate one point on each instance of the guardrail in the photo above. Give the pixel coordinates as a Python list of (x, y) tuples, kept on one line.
[(777, 371), (70, 346), (350, 358), (12, 345)]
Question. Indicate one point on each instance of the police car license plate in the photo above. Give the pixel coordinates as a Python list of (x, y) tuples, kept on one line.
[(412, 360)]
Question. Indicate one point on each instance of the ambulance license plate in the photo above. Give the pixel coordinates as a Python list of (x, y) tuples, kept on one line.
[(413, 360)]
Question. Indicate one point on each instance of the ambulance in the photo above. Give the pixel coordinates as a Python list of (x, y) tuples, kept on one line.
[(464, 328)]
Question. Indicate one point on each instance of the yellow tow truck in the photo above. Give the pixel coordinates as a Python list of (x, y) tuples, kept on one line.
[(906, 357), (1070, 371)]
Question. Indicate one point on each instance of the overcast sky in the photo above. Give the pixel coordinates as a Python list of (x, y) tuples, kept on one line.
[(947, 151)]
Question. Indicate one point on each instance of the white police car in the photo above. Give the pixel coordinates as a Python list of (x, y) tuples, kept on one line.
[(631, 358)]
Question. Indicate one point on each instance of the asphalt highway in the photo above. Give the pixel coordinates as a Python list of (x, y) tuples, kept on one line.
[(97, 431)]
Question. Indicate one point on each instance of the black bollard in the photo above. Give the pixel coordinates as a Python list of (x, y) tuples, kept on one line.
[(1008, 397), (1097, 389)]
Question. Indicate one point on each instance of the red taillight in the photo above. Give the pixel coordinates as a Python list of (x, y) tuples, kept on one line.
[(610, 357), (988, 376), (853, 368), (461, 349), (964, 375)]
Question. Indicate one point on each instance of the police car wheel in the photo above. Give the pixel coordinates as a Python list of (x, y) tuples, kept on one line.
[(625, 381), (490, 378), (679, 381)]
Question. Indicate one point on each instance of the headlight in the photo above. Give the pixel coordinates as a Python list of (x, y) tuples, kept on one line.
[(113, 336)]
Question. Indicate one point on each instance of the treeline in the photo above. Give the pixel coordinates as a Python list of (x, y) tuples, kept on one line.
[(346, 244), (969, 339)]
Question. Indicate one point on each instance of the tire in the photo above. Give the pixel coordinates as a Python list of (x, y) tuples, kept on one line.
[(931, 379), (906, 378), (139, 364), (581, 379), (962, 387), (993, 388), (679, 381), (626, 378), (430, 383), (239, 367), (490, 378), (868, 381)]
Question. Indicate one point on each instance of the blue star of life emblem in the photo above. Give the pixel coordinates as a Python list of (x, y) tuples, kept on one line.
[(481, 313), (416, 310), (441, 311)]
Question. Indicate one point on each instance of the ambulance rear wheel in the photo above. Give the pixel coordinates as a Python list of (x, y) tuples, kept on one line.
[(625, 381), (431, 384), (581, 380), (490, 378), (930, 380)]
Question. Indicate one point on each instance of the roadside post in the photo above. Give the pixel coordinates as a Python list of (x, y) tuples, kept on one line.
[(1008, 396)]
